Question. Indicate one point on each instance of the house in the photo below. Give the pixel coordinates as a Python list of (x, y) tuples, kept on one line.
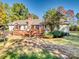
[(24, 24), (64, 25), (27, 27), (21, 23)]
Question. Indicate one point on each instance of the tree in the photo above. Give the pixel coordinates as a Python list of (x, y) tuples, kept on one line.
[(77, 15), (18, 12), (34, 16), (70, 13), (61, 10), (3, 14), (78, 21), (52, 19)]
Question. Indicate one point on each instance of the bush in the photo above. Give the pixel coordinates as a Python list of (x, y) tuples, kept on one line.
[(55, 34), (59, 34), (48, 35), (73, 28), (77, 28)]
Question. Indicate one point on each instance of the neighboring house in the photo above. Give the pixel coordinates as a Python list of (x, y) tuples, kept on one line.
[(64, 25), (24, 24)]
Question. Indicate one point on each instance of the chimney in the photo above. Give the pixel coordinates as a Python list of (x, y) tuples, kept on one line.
[(30, 20), (30, 17)]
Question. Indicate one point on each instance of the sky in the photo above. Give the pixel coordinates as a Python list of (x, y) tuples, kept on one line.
[(39, 7)]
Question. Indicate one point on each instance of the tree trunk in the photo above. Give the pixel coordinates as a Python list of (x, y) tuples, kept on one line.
[(51, 28)]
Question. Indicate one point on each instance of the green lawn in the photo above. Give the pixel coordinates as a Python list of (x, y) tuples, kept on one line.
[(74, 37), (31, 55)]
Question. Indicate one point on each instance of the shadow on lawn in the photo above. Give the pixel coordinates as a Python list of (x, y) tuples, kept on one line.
[(42, 55), (45, 54), (13, 54)]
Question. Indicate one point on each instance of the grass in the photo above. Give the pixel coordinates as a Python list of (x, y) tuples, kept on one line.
[(41, 55), (73, 39)]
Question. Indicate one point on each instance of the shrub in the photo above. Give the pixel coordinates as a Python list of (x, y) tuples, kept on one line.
[(77, 28), (55, 34), (59, 34), (73, 28), (48, 35)]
